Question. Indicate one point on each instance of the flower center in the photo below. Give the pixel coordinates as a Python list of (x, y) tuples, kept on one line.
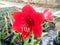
[(30, 21)]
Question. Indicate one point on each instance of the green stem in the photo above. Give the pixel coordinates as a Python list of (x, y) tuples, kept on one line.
[(6, 24), (32, 42), (14, 37), (46, 25), (26, 41), (10, 18)]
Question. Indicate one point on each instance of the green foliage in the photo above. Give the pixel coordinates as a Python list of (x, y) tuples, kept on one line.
[(4, 12), (57, 0), (5, 22)]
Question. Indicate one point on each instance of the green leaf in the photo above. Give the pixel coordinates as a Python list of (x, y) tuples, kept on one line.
[(32, 42), (44, 33), (26, 41), (3, 35), (14, 37)]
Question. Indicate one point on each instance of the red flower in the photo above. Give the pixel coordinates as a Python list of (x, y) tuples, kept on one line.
[(48, 15), (28, 21)]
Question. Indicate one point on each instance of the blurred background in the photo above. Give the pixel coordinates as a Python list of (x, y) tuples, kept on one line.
[(44, 3), (7, 7)]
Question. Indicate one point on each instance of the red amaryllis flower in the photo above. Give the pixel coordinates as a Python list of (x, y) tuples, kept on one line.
[(48, 15), (27, 21)]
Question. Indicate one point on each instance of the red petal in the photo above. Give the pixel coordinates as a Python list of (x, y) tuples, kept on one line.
[(19, 21), (48, 15), (16, 15), (28, 9), (16, 27), (37, 30), (26, 32), (19, 16), (38, 18)]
